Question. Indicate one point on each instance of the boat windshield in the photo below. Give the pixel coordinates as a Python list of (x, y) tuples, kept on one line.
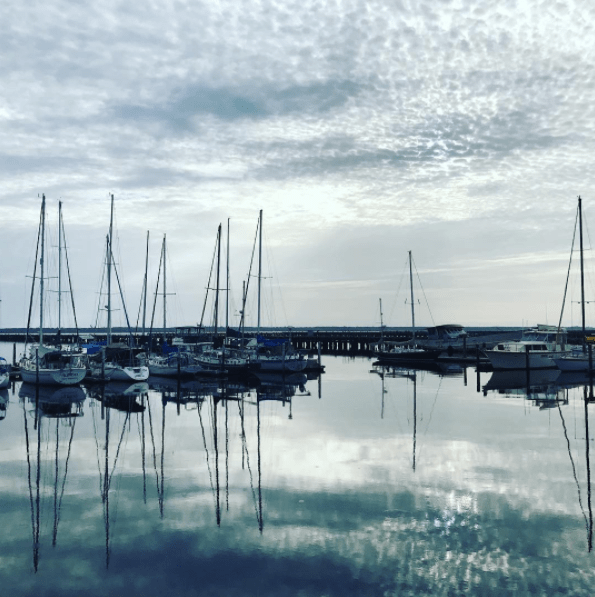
[(535, 336)]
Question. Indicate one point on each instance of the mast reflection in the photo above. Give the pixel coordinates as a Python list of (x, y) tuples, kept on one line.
[(114, 397), (64, 405)]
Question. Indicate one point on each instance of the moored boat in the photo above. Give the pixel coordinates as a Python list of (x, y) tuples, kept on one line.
[(43, 364), (4, 373), (537, 349), (410, 351)]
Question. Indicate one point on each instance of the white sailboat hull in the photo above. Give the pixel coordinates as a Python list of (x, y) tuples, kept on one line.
[(572, 363), (64, 376), (279, 364), (179, 366), (172, 370), (115, 372)]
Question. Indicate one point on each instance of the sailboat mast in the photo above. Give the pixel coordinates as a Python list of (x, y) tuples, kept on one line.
[(164, 291), (59, 266), (41, 272), (412, 303), (259, 264), (145, 285), (227, 284), (580, 221), (218, 273), (109, 273), (242, 320)]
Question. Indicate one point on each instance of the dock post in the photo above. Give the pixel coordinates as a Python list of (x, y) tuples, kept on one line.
[(528, 368)]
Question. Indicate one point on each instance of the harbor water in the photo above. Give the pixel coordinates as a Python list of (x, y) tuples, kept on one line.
[(362, 481)]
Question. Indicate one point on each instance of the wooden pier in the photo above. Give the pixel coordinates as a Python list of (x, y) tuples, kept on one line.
[(329, 340)]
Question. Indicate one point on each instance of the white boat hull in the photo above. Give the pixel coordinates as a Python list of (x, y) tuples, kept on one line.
[(173, 371), (571, 363), (115, 372), (63, 377), (501, 359), (186, 366), (280, 365)]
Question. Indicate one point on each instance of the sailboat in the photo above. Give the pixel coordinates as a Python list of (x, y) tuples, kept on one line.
[(546, 346), (407, 351), (581, 358), (272, 354), (213, 359), (112, 369), (174, 361), (45, 364)]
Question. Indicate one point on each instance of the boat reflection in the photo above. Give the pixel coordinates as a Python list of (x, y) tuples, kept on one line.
[(65, 406), (128, 415), (410, 376), (550, 389), (120, 395), (439, 368), (54, 402), (4, 400), (586, 396), (117, 399)]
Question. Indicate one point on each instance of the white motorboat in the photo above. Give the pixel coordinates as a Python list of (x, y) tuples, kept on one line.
[(537, 349)]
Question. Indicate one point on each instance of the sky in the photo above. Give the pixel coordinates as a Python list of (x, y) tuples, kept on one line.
[(460, 131)]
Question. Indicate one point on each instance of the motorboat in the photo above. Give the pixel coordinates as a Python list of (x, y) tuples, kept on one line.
[(537, 349)]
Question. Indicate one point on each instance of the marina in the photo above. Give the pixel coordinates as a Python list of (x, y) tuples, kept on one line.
[(297, 299)]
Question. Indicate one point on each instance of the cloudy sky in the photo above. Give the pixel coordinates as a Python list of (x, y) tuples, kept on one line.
[(461, 131)]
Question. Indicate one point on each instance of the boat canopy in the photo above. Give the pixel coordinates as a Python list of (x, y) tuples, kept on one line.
[(448, 331)]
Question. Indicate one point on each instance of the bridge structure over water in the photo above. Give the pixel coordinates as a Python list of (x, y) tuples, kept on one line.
[(357, 340), (329, 340)]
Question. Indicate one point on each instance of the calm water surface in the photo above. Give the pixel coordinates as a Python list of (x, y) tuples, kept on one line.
[(361, 483)]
